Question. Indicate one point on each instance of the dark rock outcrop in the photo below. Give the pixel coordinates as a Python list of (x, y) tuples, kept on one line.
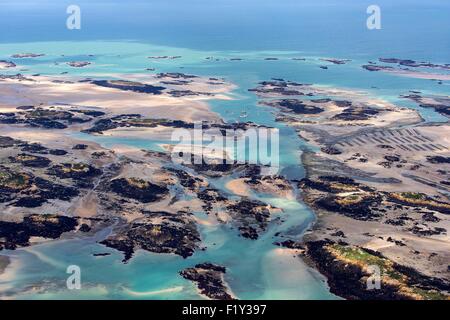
[(31, 161), (129, 86), (172, 235), (138, 189), (209, 280), (346, 269), (14, 235)]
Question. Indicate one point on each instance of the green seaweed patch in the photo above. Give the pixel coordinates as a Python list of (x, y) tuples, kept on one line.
[(334, 184), (74, 170), (419, 200), (13, 180), (363, 257), (356, 206)]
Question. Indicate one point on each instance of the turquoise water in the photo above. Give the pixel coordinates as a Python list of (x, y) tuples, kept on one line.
[(122, 42)]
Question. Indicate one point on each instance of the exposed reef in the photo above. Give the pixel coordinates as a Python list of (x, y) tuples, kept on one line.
[(174, 233), (344, 196), (78, 64), (439, 103), (138, 121), (77, 171), (4, 263), (209, 280), (294, 105), (138, 189), (375, 177), (31, 161), (44, 118), (371, 67), (26, 190), (27, 55), (164, 57), (411, 68), (335, 61), (349, 270), (129, 86), (415, 64), (14, 235), (4, 64), (251, 216), (175, 75)]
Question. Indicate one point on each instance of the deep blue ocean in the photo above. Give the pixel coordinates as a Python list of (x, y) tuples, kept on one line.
[(412, 28)]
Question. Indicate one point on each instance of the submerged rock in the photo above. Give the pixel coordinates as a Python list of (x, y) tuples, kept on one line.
[(43, 118), (29, 191), (34, 148)]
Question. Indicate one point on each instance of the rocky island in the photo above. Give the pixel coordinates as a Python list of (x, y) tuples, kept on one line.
[(4, 64), (378, 186), (411, 68), (376, 177), (209, 280)]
